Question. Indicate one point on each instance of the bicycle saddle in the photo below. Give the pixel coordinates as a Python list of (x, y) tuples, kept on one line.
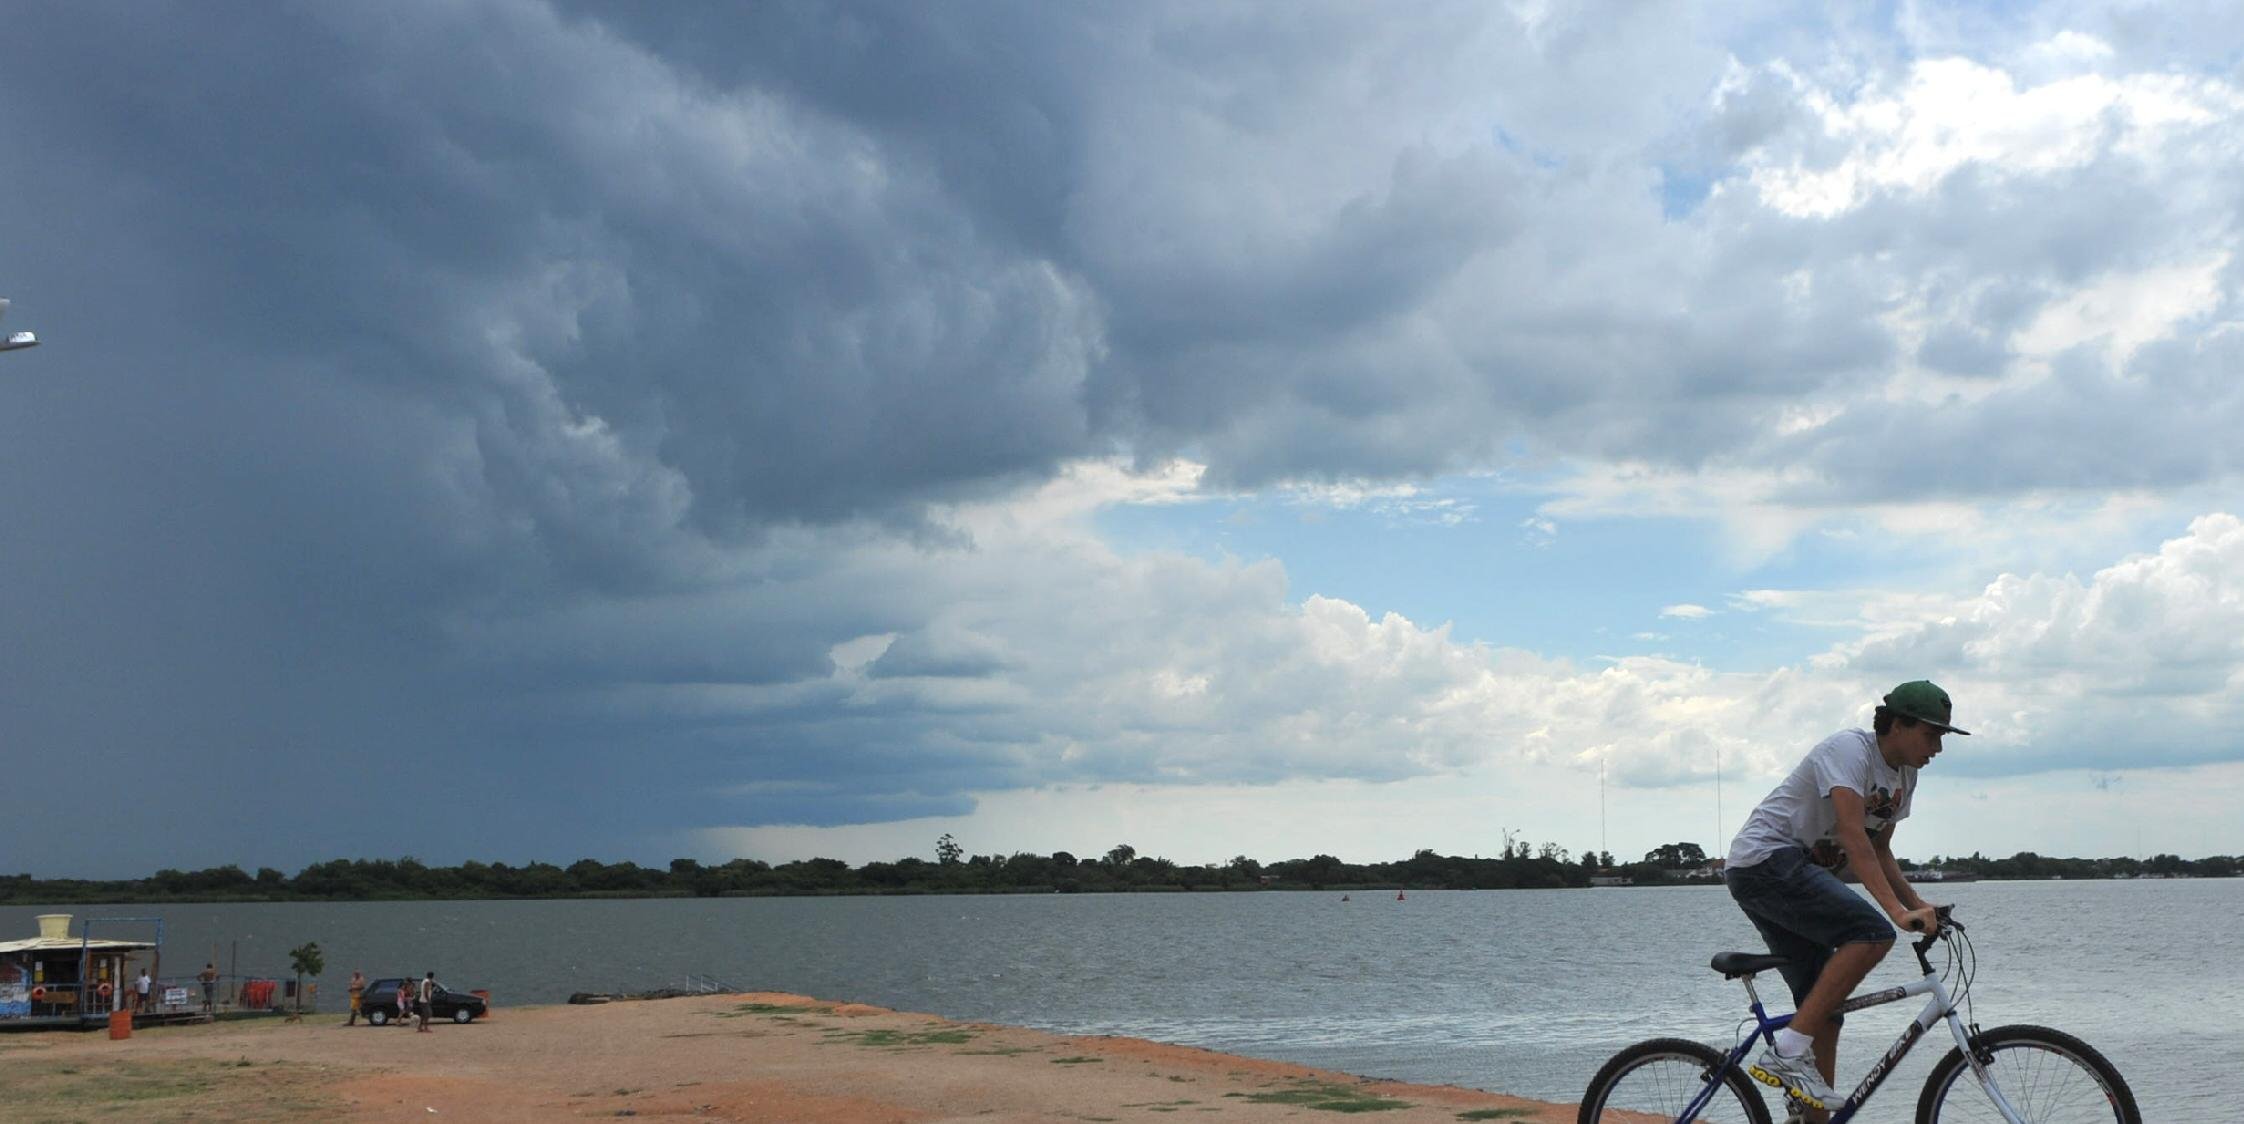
[(1735, 964)]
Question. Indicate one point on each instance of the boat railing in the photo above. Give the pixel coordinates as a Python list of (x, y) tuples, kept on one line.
[(707, 985)]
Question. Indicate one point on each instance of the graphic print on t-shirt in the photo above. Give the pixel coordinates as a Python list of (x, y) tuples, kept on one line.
[(1877, 809)]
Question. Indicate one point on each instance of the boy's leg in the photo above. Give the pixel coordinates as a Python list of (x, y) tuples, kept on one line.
[(1830, 937), (1845, 971), (1848, 965)]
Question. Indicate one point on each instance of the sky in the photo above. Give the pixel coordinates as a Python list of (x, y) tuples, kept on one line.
[(535, 431)]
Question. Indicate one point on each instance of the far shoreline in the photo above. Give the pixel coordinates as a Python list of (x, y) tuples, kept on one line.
[(1006, 892)]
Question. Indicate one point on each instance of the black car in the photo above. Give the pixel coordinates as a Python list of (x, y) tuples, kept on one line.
[(379, 1002)]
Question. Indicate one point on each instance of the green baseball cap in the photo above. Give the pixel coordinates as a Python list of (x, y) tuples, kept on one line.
[(1923, 700)]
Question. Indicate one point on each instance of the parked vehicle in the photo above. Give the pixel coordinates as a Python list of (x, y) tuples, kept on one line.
[(379, 1002)]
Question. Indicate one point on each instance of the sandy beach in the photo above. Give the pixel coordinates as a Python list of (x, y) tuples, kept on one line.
[(761, 1056)]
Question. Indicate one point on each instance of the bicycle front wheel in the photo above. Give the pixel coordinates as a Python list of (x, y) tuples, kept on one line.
[(2049, 1076), (1657, 1080)]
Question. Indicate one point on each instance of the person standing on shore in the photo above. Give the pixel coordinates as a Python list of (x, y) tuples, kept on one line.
[(140, 991), (357, 989), (428, 999), (1836, 809), (404, 999), (209, 979)]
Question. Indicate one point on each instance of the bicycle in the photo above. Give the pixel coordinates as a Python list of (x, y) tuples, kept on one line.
[(2018, 1074)]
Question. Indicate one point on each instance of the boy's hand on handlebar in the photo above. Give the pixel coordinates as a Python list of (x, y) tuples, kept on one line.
[(1924, 922)]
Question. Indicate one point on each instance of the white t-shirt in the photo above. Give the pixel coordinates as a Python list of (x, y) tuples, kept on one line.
[(1797, 813)]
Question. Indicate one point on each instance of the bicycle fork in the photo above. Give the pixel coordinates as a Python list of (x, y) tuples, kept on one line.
[(1979, 1071)]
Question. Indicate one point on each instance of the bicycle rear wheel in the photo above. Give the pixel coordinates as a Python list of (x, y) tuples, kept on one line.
[(2049, 1076), (1656, 1081)]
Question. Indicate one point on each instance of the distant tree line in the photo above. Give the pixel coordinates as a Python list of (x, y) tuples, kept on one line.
[(2027, 865), (1121, 869)]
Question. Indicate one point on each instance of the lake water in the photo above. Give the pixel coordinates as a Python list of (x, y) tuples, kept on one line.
[(1520, 991)]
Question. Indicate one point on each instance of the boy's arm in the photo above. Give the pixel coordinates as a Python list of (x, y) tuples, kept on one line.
[(1870, 865), (1882, 842)]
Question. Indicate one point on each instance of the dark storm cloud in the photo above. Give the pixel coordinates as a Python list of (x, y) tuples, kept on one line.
[(723, 274), (408, 369)]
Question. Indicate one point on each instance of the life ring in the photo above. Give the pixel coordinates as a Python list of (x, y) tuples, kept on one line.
[(38, 995), (102, 991)]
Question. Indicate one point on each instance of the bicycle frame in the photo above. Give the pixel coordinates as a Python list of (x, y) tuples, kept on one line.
[(1939, 1007)]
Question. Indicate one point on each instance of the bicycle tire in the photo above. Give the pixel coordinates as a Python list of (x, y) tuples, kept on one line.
[(1674, 1069), (2049, 1076)]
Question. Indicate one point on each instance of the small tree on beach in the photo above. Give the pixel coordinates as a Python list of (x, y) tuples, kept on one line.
[(1675, 856), (308, 961)]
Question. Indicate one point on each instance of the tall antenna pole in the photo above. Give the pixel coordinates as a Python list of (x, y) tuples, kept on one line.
[(1602, 845)]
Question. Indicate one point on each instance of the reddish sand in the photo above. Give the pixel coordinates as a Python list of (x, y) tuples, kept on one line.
[(734, 1057)]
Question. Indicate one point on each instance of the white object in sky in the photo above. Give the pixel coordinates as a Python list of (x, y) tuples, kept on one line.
[(16, 340)]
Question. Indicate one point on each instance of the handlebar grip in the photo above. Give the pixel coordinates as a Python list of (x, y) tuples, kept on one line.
[(1944, 917)]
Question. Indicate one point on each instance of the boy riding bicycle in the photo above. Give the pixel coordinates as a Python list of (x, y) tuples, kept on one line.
[(1837, 809)]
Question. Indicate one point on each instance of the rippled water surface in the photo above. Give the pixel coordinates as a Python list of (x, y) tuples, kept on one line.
[(1520, 991)]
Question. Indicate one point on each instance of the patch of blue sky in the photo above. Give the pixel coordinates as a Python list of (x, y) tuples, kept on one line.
[(1511, 142), (1584, 590), (1682, 191)]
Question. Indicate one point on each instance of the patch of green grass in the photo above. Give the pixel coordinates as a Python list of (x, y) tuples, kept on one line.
[(138, 1090), (147, 1088), (996, 1052), (781, 1009), (1078, 1061), (1160, 1106), (1493, 1114), (1326, 1098), (900, 1039)]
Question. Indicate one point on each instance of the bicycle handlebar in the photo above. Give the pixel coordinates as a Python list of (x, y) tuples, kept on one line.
[(1944, 920)]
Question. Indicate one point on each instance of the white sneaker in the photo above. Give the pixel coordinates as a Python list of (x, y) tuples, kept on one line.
[(1796, 1076)]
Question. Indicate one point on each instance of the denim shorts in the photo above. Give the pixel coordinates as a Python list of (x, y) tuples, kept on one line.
[(1804, 913)]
